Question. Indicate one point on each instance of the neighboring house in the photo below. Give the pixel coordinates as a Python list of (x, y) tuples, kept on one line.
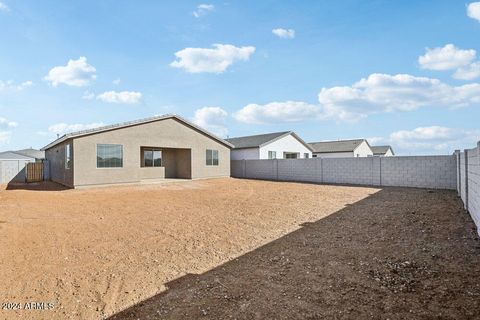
[(278, 145), (383, 151), (153, 148), (37, 154), (12, 167), (341, 149)]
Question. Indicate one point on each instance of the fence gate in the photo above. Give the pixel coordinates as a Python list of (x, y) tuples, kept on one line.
[(34, 172)]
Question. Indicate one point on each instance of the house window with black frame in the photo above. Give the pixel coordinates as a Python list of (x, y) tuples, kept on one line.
[(68, 156), (305, 155), (109, 156), (272, 154), (151, 157), (212, 157)]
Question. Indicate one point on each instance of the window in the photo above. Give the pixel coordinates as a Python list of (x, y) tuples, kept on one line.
[(109, 156), (272, 154), (151, 157), (290, 155), (314, 155), (305, 155), (212, 157), (68, 156)]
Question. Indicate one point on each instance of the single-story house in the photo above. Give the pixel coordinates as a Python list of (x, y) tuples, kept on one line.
[(277, 145), (341, 149), (383, 151), (39, 155), (12, 166), (153, 148)]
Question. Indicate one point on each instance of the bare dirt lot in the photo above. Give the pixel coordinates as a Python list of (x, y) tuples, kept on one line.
[(239, 249)]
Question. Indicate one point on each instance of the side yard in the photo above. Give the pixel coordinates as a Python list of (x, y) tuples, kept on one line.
[(239, 248)]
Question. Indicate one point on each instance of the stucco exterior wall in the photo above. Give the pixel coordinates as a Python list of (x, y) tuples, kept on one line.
[(285, 144), (389, 153), (363, 150), (56, 157), (166, 133)]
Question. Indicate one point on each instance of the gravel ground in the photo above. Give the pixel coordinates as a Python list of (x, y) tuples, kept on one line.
[(240, 249)]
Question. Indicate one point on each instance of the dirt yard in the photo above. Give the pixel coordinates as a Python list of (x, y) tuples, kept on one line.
[(239, 249)]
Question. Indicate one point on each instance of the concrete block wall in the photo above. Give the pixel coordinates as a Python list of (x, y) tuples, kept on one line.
[(348, 171), (307, 170), (422, 172), (468, 176), (260, 169)]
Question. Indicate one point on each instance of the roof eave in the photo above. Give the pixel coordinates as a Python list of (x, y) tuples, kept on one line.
[(113, 127)]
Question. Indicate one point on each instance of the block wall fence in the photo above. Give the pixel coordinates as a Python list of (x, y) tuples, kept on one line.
[(460, 172), (468, 181)]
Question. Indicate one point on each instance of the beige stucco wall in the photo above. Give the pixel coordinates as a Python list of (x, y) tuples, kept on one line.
[(56, 157), (167, 133)]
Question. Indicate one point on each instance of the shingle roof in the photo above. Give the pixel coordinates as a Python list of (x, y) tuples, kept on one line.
[(130, 124), (37, 154), (10, 155), (336, 146), (380, 150), (260, 140), (256, 140)]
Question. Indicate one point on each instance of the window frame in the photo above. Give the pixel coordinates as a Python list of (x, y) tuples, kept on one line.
[(214, 157), (288, 155), (110, 144), (68, 156), (272, 155), (153, 151)]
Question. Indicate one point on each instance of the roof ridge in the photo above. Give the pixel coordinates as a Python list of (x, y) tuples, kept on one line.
[(260, 134), (346, 140)]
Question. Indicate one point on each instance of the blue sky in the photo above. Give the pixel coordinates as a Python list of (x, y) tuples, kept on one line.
[(404, 73)]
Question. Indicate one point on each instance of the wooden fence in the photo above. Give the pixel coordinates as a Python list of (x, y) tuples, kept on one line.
[(34, 172)]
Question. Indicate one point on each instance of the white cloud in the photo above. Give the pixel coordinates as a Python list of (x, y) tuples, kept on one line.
[(378, 93), (217, 60), (284, 33), (6, 127), (11, 86), (116, 81), (469, 72), (88, 95), (288, 111), (4, 123), (434, 139), (473, 10), (203, 9), (4, 7), (5, 137), (212, 119), (63, 128), (448, 57), (126, 97), (77, 73)]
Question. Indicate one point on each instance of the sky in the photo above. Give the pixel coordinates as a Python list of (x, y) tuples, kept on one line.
[(404, 73)]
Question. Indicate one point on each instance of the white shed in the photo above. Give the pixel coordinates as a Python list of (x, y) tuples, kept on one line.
[(12, 167), (277, 145)]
